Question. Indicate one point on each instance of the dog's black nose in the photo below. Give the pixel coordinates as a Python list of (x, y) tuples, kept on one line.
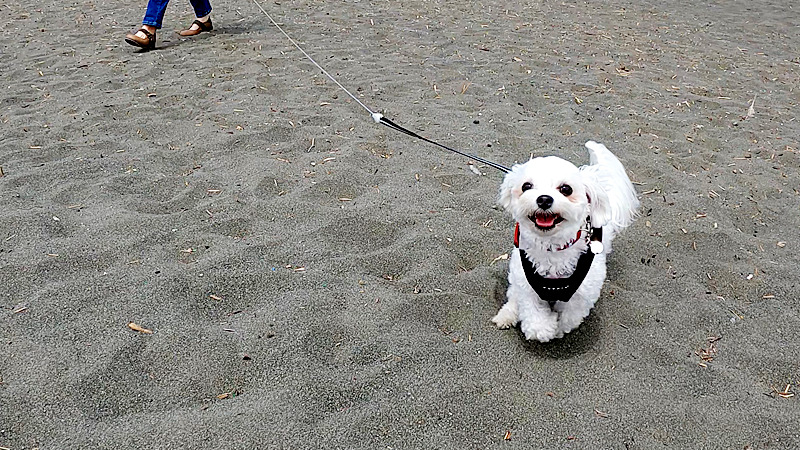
[(544, 201)]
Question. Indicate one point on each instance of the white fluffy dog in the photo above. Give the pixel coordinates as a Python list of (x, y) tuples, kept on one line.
[(566, 219)]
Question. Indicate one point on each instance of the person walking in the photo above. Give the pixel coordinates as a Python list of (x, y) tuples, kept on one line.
[(145, 37)]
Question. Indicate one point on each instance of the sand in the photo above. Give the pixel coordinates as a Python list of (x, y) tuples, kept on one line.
[(314, 280)]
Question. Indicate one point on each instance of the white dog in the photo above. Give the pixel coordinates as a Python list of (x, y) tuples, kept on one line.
[(566, 219)]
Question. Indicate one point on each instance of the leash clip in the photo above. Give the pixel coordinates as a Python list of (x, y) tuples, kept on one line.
[(595, 237)]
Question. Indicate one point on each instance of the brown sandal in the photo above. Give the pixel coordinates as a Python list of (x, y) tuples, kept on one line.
[(147, 43), (202, 26)]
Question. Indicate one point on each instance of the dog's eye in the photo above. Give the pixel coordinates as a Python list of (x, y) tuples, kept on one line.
[(526, 185), (565, 189)]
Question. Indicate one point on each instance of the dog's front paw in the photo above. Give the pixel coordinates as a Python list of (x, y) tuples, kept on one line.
[(505, 318), (542, 332)]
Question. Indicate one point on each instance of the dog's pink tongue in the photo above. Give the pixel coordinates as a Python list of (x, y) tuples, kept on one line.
[(545, 220)]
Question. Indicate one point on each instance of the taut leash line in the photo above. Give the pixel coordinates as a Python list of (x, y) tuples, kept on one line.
[(312, 59), (377, 117), (397, 127)]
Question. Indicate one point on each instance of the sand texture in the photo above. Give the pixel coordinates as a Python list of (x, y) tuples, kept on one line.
[(311, 279)]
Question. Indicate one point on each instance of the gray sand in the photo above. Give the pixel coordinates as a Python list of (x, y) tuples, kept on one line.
[(338, 295)]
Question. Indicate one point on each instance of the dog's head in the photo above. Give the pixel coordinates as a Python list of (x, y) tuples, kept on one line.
[(551, 198)]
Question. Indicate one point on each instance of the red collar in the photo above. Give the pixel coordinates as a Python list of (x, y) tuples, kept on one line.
[(558, 249)]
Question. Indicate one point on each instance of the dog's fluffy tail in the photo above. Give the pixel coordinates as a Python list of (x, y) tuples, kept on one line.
[(609, 175)]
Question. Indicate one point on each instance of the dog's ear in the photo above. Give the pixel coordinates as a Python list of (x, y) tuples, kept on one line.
[(614, 199), (599, 205), (506, 194)]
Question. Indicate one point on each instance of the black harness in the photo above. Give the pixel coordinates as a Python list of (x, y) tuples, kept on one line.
[(554, 290)]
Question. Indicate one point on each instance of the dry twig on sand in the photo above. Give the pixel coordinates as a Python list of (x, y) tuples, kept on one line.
[(785, 393), (139, 328), (708, 354), (751, 110)]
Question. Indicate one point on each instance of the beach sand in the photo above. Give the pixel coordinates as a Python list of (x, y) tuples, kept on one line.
[(314, 280)]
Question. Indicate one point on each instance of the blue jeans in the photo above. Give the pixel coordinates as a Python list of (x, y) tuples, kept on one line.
[(156, 8)]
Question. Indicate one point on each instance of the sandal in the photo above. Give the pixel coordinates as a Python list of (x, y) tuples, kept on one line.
[(148, 42), (201, 27)]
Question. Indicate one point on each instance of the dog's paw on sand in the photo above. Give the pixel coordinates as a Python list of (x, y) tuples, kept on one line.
[(544, 332), (505, 318)]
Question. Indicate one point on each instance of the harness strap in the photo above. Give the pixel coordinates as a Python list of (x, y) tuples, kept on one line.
[(554, 290)]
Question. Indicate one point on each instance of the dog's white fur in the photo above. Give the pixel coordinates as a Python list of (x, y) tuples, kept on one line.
[(601, 191)]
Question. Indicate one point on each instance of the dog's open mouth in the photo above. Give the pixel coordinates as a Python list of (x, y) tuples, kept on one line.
[(545, 220)]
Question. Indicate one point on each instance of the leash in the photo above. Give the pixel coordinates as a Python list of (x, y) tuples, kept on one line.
[(378, 117)]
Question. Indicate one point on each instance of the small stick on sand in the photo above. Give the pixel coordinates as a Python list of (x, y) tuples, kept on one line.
[(601, 413), (751, 111), (139, 328), (503, 257), (786, 393)]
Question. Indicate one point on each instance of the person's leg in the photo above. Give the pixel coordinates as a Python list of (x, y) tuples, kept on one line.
[(155, 13), (202, 9), (146, 36)]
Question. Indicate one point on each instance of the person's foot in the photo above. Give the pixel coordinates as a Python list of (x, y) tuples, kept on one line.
[(145, 37), (198, 26)]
